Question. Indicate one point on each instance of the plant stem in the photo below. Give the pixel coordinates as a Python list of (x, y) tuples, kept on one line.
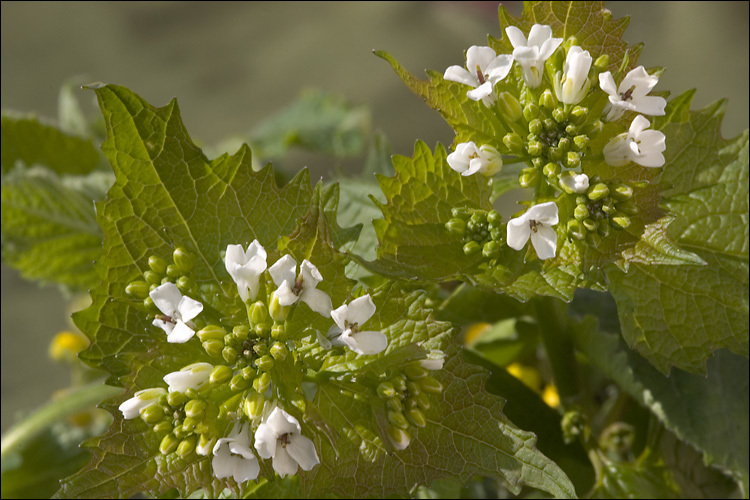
[(553, 325), (77, 400)]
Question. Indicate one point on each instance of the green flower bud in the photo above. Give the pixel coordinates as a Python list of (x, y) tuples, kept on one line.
[(559, 114), (509, 106), (229, 340), (456, 226), (513, 142), (279, 351), (571, 129), (187, 446), (152, 414), (192, 393), (598, 191), (179, 431), (397, 419), (415, 372), (176, 399), (462, 212), (491, 249), (602, 62), (185, 284), (399, 437), (581, 142), (627, 207), (573, 159), (152, 278), (169, 444), (386, 390), (220, 374), (157, 264), (471, 248), (241, 332), (253, 405), (622, 192), (528, 177), (410, 402), (555, 154), (552, 170), (590, 225), (163, 281), (262, 329), (258, 313), (261, 348), (563, 144), (416, 417), (576, 229), (536, 127), (593, 129), (163, 427), (399, 383), (581, 212), (534, 148), (148, 303), (239, 383), (211, 332), (608, 207), (278, 312), (620, 221), (537, 162), (229, 354), (264, 363), (578, 114), (195, 408), (173, 271), (494, 217), (550, 124), (278, 331), (138, 289), (262, 383), (604, 228), (497, 234), (249, 373), (547, 100), (530, 111), (395, 404), (413, 388), (423, 401), (183, 259), (213, 347), (431, 385)]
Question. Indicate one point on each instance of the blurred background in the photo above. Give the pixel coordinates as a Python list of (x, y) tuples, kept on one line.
[(232, 65)]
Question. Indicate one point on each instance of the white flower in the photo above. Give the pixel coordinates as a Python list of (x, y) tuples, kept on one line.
[(245, 268), (574, 183), (485, 69), (575, 82), (142, 399), (347, 332), (293, 287), (531, 54), (644, 147), (178, 311), (280, 436), (434, 360), (190, 377), (631, 94), (467, 159), (234, 457), (535, 223)]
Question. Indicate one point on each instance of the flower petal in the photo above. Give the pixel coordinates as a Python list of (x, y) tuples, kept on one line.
[(166, 297), (285, 269), (265, 440), (283, 463), (310, 274), (368, 342), (518, 232), (318, 300), (516, 37), (480, 57), (544, 240), (302, 450), (285, 294), (460, 75), (283, 423), (480, 92), (180, 334), (189, 308), (538, 34), (545, 213), (607, 84), (651, 105), (164, 325), (360, 310), (222, 462), (245, 469)]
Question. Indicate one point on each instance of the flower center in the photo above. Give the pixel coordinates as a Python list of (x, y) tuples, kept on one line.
[(166, 318), (297, 285), (354, 327), (628, 94), (480, 75), (533, 226), (284, 439)]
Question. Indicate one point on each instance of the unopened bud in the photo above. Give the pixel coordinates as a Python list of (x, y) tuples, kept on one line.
[(491, 249), (262, 383), (185, 284), (253, 405), (604, 228), (195, 408), (229, 354), (431, 385), (220, 374), (413, 388), (187, 446), (399, 437), (416, 417), (536, 127), (509, 106), (386, 390), (552, 170), (622, 192), (249, 373), (278, 331), (163, 427), (261, 348), (573, 159), (528, 177), (213, 347), (152, 278), (211, 332), (581, 212), (152, 414), (169, 444), (241, 332), (279, 351), (176, 399), (563, 144), (602, 62), (594, 129), (262, 330), (547, 100), (397, 419), (278, 312), (578, 114), (620, 221), (598, 191), (258, 313), (559, 114), (395, 404), (456, 226), (471, 248), (535, 148), (173, 271), (627, 207), (581, 142), (513, 142), (138, 289), (530, 111), (590, 224), (576, 229), (157, 264), (183, 259), (239, 383), (423, 401)]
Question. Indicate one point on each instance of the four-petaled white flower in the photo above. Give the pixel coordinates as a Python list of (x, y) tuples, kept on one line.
[(631, 94), (532, 53), (434, 360), (535, 223), (644, 147), (467, 159), (575, 82), (294, 287), (245, 268), (142, 399), (280, 436), (484, 68), (349, 319), (574, 183), (178, 311), (190, 377), (234, 457)]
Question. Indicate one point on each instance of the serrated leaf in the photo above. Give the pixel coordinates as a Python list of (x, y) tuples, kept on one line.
[(709, 412), (36, 142), (49, 228), (678, 316)]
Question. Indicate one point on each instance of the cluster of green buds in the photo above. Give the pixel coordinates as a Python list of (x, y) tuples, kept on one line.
[(407, 397), (604, 207), (481, 230), (161, 272)]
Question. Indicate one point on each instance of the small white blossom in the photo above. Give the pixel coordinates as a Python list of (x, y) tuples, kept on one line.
[(190, 377), (535, 224), (178, 311), (434, 360), (532, 53), (485, 69), (142, 399), (245, 268), (467, 159), (280, 436), (631, 94), (349, 319), (644, 147), (294, 287), (234, 457), (574, 85), (574, 183)]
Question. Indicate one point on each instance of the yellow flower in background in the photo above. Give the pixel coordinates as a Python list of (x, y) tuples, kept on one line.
[(529, 375), (550, 396), (66, 345)]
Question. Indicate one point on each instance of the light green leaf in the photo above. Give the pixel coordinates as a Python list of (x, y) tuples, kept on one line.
[(49, 228)]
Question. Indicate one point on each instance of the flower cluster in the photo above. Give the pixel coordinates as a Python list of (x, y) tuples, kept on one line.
[(555, 99)]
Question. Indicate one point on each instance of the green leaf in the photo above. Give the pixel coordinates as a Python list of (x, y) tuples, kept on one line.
[(36, 142), (709, 412), (49, 228), (679, 315)]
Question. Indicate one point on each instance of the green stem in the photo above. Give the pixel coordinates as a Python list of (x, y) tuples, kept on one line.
[(552, 320), (78, 400)]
